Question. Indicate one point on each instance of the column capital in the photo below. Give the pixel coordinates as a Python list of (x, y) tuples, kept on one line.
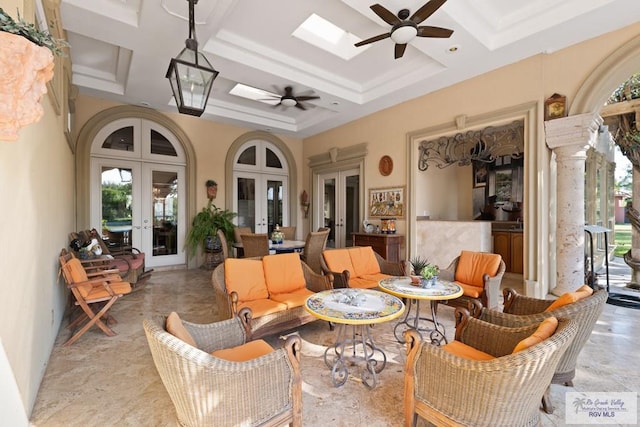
[(579, 131)]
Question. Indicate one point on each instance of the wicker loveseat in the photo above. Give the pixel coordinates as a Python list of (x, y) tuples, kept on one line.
[(358, 267), (221, 378), (501, 388), (273, 287)]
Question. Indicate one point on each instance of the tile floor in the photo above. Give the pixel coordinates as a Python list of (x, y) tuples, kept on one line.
[(112, 381)]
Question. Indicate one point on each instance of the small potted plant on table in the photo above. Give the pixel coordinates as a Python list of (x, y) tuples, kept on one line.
[(417, 264), (429, 275)]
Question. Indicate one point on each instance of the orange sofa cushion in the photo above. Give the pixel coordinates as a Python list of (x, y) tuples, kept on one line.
[(465, 351), (338, 260), (283, 273), (246, 277), (546, 328), (364, 261), (293, 299), (571, 297), (244, 352), (176, 328), (262, 307), (472, 265)]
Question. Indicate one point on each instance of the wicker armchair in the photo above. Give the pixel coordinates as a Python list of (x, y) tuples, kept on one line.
[(255, 245), (314, 244), (446, 389), (289, 232), (521, 310), (488, 293), (209, 391)]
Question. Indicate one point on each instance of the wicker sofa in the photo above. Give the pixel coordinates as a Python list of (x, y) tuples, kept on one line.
[(358, 267), (273, 287)]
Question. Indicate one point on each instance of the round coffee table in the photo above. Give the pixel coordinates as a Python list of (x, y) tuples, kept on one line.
[(360, 309), (401, 286)]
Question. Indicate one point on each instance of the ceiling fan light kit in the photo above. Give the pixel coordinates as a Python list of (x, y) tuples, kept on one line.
[(405, 28), (190, 74)]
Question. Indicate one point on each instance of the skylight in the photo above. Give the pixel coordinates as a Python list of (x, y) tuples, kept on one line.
[(250, 92), (321, 33)]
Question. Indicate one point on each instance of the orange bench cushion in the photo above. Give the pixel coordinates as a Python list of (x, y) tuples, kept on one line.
[(246, 278), (338, 260), (571, 297), (262, 307), (364, 261), (546, 328), (465, 351), (473, 265), (283, 273), (176, 328), (293, 299), (244, 352)]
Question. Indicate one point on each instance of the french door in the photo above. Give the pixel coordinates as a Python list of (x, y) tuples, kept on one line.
[(338, 201), (259, 201), (139, 205), (138, 189)]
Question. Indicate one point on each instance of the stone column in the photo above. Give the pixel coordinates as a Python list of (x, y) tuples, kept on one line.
[(569, 138)]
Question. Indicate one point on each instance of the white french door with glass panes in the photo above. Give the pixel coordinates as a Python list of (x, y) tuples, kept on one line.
[(260, 201), (137, 189), (338, 202), (138, 204), (260, 186)]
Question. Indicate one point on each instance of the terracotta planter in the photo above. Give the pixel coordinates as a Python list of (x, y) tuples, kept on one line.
[(27, 68)]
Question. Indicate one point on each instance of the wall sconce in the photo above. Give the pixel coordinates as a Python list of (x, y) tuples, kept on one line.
[(304, 202), (190, 74)]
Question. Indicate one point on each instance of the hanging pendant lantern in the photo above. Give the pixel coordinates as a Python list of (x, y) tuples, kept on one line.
[(190, 74)]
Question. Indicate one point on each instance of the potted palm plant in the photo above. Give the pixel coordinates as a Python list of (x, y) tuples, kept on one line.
[(204, 227)]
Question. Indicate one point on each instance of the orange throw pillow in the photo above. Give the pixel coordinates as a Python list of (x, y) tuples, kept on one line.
[(546, 328), (364, 261), (244, 352), (571, 297), (338, 260), (176, 328)]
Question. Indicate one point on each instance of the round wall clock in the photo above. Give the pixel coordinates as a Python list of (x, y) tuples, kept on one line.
[(385, 166)]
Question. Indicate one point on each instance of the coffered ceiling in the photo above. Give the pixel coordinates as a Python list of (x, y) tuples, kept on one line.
[(120, 50)]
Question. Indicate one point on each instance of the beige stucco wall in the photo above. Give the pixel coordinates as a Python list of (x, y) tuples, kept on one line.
[(38, 193)]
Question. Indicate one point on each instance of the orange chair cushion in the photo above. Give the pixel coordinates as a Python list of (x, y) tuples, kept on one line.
[(78, 274), (118, 287), (471, 291), (546, 328), (472, 265), (338, 260), (571, 297), (465, 351), (283, 273), (244, 352), (246, 277), (176, 328), (262, 307), (364, 261)]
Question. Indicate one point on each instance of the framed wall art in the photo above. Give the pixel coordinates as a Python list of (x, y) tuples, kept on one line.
[(555, 107), (480, 175), (387, 202)]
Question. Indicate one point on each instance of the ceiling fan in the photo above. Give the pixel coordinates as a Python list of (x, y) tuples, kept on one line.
[(288, 99), (404, 30)]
